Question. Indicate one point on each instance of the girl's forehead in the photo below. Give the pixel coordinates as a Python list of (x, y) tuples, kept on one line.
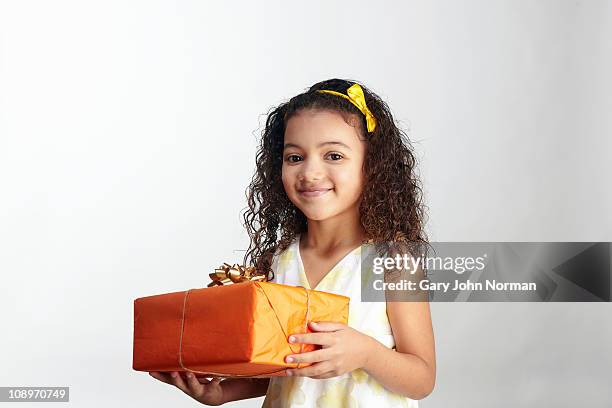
[(316, 126)]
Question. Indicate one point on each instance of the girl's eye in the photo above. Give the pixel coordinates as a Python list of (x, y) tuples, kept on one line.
[(292, 156), (335, 156)]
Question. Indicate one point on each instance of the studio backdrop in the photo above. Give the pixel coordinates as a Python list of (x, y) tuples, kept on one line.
[(128, 133)]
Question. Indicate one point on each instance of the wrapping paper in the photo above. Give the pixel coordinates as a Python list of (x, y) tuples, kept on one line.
[(234, 330)]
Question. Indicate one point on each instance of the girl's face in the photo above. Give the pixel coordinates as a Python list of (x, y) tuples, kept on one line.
[(322, 168)]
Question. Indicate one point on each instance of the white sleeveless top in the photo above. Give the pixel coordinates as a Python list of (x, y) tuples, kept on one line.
[(353, 389)]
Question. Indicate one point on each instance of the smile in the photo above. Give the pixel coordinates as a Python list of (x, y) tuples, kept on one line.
[(314, 193)]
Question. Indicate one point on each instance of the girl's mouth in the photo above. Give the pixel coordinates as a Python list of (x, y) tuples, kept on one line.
[(314, 193)]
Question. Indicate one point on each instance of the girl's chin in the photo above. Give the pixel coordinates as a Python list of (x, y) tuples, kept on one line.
[(317, 216)]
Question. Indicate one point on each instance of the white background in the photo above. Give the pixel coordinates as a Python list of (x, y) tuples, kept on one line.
[(127, 139)]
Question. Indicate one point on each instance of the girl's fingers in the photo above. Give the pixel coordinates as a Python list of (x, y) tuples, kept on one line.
[(322, 339), (194, 385), (313, 370), (177, 380), (310, 357), (204, 380), (163, 377)]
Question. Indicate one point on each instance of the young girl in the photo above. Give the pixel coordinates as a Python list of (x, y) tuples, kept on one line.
[(334, 175)]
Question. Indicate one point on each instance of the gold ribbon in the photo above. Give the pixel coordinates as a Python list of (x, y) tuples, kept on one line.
[(354, 95), (228, 274)]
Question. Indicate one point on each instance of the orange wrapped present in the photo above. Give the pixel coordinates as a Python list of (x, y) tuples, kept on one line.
[(229, 330)]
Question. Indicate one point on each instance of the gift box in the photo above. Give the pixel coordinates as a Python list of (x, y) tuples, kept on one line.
[(235, 330)]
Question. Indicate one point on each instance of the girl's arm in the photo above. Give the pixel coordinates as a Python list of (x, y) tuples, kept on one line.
[(235, 389), (410, 370)]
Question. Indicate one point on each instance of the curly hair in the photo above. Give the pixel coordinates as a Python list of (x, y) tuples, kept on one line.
[(391, 209)]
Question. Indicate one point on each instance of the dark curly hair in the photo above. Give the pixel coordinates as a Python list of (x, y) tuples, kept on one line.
[(391, 208)]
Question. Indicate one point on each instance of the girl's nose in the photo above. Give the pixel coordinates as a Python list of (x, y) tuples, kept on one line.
[(311, 170)]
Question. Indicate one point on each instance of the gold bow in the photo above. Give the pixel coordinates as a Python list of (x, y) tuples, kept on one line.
[(356, 97), (228, 274)]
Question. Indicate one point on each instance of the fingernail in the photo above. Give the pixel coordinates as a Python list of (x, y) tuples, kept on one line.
[(174, 374), (189, 375), (289, 373), (291, 339), (290, 359)]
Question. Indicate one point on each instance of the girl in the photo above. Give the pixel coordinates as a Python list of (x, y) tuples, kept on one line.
[(334, 175)]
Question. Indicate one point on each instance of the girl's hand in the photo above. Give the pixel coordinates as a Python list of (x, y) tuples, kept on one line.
[(344, 349), (208, 392)]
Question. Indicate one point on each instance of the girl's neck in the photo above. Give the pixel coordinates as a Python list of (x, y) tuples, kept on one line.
[(331, 234)]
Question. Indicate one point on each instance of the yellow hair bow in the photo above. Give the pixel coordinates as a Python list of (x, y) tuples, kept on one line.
[(355, 96)]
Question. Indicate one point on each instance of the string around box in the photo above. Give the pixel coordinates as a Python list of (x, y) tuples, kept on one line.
[(306, 318)]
